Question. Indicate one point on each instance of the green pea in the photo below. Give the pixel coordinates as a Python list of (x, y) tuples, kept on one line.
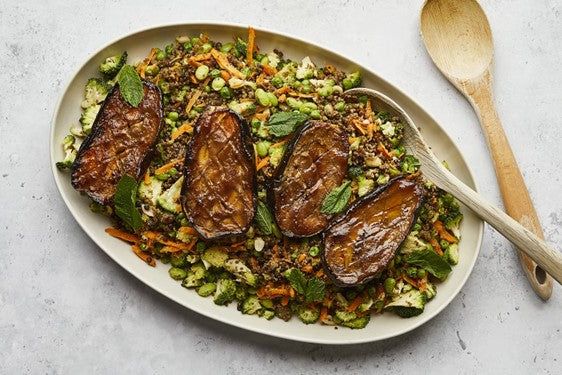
[(263, 149), (255, 123), (421, 273), (178, 260), (218, 83), (202, 72), (152, 70), (165, 87), (188, 46), (277, 81), (173, 116), (143, 246), (207, 89), (215, 73), (314, 251), (193, 113), (389, 285), (411, 271), (297, 84), (325, 90), (315, 114), (444, 244), (340, 106), (184, 222), (207, 289), (262, 97), (195, 40), (306, 89), (172, 171), (161, 55), (264, 60), (169, 49), (177, 273), (162, 176), (226, 93)]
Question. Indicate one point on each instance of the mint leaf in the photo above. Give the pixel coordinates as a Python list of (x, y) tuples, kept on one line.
[(124, 200), (264, 219), (297, 280), (315, 290), (431, 262), (337, 199), (130, 85), (284, 123)]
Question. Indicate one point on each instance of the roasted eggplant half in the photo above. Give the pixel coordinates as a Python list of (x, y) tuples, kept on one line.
[(121, 142), (363, 240), (219, 190), (315, 163)]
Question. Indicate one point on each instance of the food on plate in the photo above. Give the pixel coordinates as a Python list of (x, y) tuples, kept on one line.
[(361, 242), (120, 143), (314, 164), (219, 186), (271, 266)]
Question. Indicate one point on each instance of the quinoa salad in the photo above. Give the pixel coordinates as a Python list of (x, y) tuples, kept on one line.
[(262, 271)]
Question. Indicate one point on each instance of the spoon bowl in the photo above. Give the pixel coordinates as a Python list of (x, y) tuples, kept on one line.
[(432, 168)]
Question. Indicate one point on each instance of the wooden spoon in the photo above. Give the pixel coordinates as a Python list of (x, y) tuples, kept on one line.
[(458, 38), (431, 167)]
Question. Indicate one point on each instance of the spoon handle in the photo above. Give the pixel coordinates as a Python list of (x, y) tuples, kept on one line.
[(515, 195), (536, 248)]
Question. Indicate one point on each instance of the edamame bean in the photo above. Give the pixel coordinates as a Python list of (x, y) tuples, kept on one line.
[(314, 251), (226, 93), (177, 273), (202, 72), (218, 83), (263, 148), (173, 116), (389, 285)]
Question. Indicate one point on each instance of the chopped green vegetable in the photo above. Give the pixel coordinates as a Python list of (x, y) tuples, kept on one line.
[(337, 199), (113, 64), (225, 292), (431, 262), (215, 257), (124, 200), (407, 305), (284, 123)]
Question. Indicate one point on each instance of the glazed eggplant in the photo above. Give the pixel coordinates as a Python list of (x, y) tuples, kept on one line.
[(362, 241), (315, 163), (219, 195), (121, 142)]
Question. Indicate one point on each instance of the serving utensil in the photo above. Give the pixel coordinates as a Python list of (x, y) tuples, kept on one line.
[(432, 168), (458, 38)]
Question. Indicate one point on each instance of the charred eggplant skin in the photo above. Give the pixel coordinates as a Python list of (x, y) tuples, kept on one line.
[(111, 150), (193, 202), (376, 260), (300, 222)]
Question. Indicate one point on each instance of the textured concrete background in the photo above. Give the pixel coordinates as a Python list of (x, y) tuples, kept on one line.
[(65, 307)]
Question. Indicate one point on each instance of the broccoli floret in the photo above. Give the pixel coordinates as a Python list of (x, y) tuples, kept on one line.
[(305, 69), (357, 323), (112, 65), (413, 243), (430, 291), (150, 192), (342, 316), (287, 73), (240, 46), (241, 271), (70, 150), (452, 221), (88, 117), (307, 315), (191, 281), (226, 291), (268, 314), (388, 129), (94, 93), (365, 305), (352, 80), (355, 172), (244, 108), (77, 131), (168, 200), (364, 185), (275, 155), (241, 292), (407, 304), (251, 305), (215, 257), (236, 83), (410, 164), (451, 254), (273, 59)]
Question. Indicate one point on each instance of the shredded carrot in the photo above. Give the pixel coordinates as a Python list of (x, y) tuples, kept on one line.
[(285, 301), (263, 162), (433, 242), (423, 284), (410, 281), (359, 126), (193, 79), (201, 57), (298, 94), (187, 230), (269, 70), (443, 233), (148, 259), (159, 237), (307, 268), (382, 150), (352, 140), (204, 38), (282, 98), (223, 62), (147, 177), (260, 79), (301, 258), (355, 303), (370, 130), (282, 90), (280, 143), (262, 115), (291, 292), (250, 47), (323, 314), (122, 235), (166, 167), (369, 111), (185, 128), (225, 75), (170, 248), (142, 67), (193, 100), (320, 273)]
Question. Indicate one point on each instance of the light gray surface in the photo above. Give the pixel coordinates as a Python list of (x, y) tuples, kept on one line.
[(65, 307)]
